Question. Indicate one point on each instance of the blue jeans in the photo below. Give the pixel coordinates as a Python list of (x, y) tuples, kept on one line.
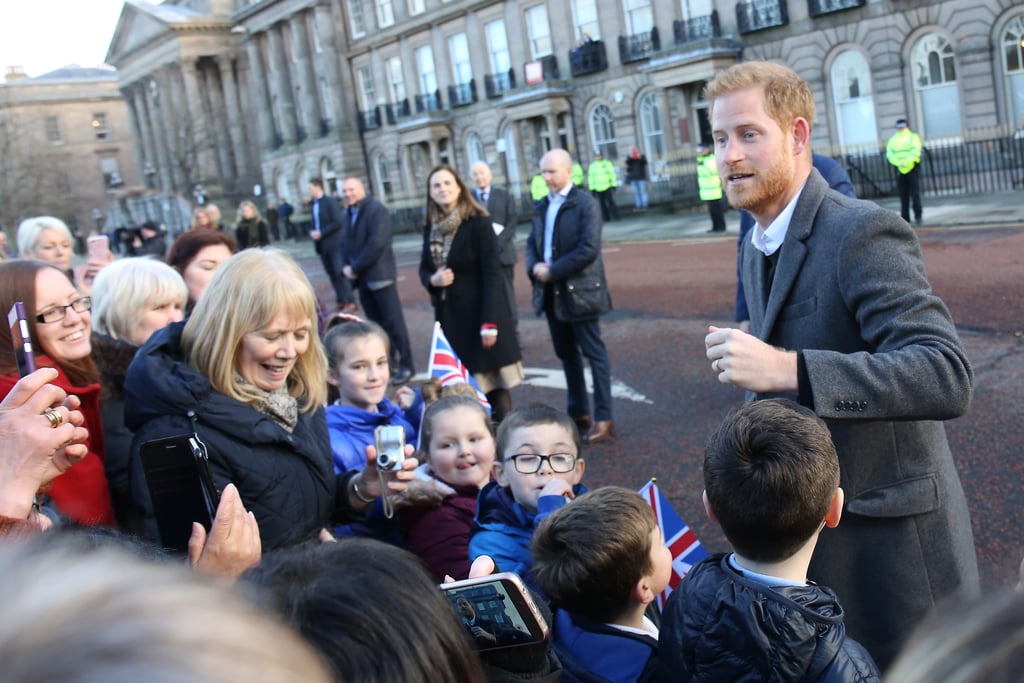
[(639, 193)]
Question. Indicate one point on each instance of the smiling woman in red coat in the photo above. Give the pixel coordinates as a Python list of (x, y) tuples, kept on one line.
[(59, 323)]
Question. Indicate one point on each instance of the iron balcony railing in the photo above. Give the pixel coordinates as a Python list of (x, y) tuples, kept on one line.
[(638, 46), (396, 111), (816, 8), (588, 57), (463, 94), (429, 102), (496, 85), (757, 15), (696, 28), (370, 120)]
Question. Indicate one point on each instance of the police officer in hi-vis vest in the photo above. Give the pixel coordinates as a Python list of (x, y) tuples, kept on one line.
[(710, 186)]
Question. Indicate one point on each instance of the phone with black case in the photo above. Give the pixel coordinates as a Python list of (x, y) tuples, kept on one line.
[(180, 486)]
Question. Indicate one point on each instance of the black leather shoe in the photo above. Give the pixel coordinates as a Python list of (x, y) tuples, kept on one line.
[(602, 430), (402, 376), (583, 423)]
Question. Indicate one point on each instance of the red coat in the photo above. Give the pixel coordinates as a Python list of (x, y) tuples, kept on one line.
[(81, 493), (440, 535)]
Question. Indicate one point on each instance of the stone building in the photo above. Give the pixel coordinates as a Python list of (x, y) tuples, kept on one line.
[(277, 91), (66, 145)]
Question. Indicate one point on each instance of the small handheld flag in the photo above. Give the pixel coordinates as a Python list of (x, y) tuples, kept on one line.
[(679, 538), (446, 366)]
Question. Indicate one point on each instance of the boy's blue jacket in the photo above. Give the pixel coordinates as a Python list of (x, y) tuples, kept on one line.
[(598, 653), (502, 529), (351, 430)]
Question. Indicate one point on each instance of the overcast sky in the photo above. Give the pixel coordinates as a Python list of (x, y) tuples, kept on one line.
[(43, 35)]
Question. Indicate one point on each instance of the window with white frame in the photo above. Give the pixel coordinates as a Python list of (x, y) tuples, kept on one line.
[(855, 103), (385, 13), (356, 18), (367, 92), (462, 69), (425, 67), (396, 79), (602, 132), (383, 173), (497, 46), (325, 101), (639, 16), (474, 149), (1013, 62), (111, 172), (584, 16), (417, 7), (933, 66), (696, 8), (650, 125), (539, 31), (100, 126)]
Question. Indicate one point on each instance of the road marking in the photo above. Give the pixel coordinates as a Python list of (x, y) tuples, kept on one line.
[(555, 379)]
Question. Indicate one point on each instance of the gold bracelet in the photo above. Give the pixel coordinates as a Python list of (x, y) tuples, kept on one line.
[(355, 490)]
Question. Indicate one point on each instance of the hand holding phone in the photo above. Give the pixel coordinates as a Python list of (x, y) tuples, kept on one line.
[(98, 247), (21, 339), (497, 611)]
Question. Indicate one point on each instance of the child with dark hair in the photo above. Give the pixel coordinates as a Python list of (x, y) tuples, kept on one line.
[(601, 561), (538, 469), (771, 481)]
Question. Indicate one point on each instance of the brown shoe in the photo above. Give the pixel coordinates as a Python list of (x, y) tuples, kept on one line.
[(602, 429), (583, 424)]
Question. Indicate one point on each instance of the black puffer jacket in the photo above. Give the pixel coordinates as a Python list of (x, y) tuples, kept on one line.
[(720, 626), (286, 480)]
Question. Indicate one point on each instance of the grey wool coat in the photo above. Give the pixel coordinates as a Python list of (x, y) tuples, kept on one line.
[(882, 364)]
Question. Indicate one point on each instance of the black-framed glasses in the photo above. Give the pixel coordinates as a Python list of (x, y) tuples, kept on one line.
[(530, 463), (57, 313)]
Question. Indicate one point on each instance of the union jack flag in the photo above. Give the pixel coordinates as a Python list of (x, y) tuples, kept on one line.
[(446, 366), (679, 538)]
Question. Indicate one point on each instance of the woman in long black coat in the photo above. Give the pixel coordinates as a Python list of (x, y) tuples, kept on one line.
[(461, 270)]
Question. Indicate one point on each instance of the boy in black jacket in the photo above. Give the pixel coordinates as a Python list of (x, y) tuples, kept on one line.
[(771, 480)]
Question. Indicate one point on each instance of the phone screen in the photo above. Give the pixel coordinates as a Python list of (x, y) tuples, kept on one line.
[(21, 339), (99, 248), (180, 487), (496, 611)]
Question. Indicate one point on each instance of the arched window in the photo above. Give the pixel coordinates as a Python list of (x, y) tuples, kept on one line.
[(328, 176), (474, 149), (281, 185), (302, 180), (1013, 62), (855, 103), (934, 70), (602, 132), (383, 178), (650, 126)]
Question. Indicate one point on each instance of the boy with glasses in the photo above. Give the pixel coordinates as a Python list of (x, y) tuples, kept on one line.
[(537, 471)]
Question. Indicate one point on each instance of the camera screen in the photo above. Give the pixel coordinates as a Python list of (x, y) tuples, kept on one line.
[(491, 615)]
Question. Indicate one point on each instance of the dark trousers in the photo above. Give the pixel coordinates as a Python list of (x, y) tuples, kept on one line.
[(717, 214), (341, 284), (609, 212), (383, 307), (573, 341), (510, 295), (909, 185)]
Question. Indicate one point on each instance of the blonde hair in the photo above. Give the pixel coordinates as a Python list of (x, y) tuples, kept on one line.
[(245, 294), (83, 615), (125, 288), (30, 228), (786, 95), (255, 210)]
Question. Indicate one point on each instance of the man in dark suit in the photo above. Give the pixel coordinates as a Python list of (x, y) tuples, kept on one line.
[(326, 233), (563, 260), (369, 263), (843, 319), (503, 217)]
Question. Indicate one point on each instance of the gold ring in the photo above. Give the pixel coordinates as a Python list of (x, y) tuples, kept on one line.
[(55, 417)]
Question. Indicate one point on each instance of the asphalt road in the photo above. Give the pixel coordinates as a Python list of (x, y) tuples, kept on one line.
[(666, 292)]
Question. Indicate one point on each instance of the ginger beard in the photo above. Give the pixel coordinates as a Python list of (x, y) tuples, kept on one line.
[(763, 187)]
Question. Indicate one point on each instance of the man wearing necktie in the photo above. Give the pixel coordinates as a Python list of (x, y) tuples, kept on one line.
[(503, 217), (370, 265), (326, 233)]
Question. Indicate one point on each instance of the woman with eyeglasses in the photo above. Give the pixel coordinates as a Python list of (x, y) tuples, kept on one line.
[(60, 324)]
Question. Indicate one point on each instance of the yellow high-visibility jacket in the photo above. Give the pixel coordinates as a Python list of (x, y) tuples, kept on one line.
[(904, 150), (600, 175), (577, 174), (708, 182), (538, 188)]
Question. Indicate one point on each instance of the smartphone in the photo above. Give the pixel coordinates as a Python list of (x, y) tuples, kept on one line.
[(21, 339), (98, 248), (390, 443), (180, 485), (497, 611)]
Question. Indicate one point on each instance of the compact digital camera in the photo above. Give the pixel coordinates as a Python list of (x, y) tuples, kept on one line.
[(390, 443)]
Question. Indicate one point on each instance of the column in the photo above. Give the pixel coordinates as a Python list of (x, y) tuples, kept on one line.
[(259, 99), (200, 138), (133, 95), (433, 152), (219, 126), (165, 161), (327, 61), (408, 173), (302, 76), (185, 132), (280, 86), (236, 130)]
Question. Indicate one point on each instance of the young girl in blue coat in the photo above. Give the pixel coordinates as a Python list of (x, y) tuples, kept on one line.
[(358, 375)]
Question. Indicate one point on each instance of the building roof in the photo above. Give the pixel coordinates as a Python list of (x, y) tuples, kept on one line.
[(74, 72)]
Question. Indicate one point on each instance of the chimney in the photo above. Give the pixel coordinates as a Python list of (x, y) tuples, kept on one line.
[(14, 73)]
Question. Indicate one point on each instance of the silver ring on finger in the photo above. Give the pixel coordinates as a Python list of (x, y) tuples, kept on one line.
[(716, 366)]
